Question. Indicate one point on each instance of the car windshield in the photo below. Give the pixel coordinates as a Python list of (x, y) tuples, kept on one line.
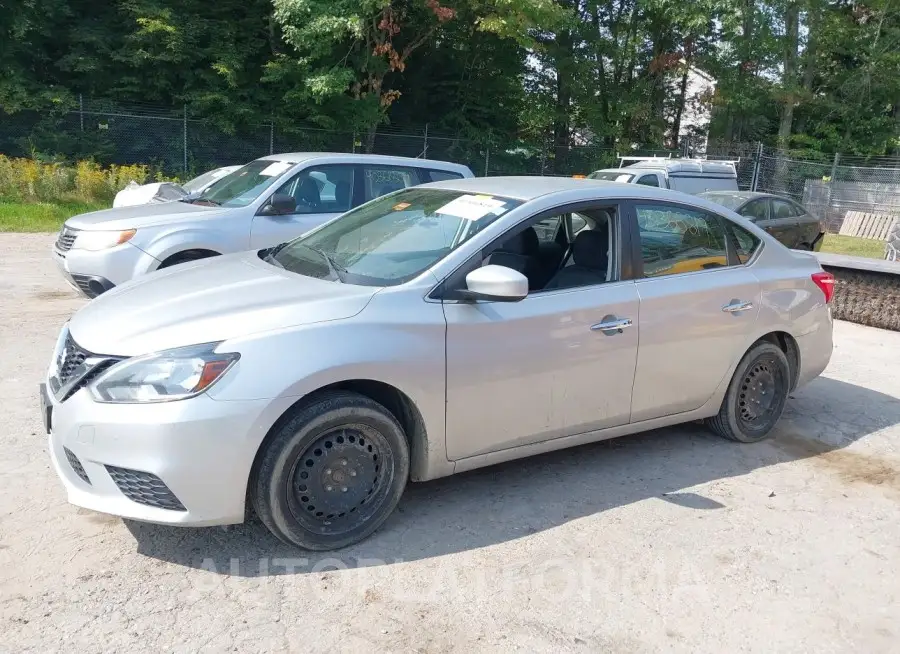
[(611, 176), (244, 185), (725, 199), (392, 239), (202, 180)]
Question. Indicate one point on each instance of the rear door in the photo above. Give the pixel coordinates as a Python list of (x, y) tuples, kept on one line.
[(808, 226), (698, 307), (783, 223)]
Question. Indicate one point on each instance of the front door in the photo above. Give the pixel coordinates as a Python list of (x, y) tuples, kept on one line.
[(543, 368), (698, 308), (321, 193)]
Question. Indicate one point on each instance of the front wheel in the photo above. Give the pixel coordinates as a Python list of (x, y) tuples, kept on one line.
[(756, 395), (333, 473)]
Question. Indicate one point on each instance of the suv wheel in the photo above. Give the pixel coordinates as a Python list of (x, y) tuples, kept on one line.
[(756, 395), (333, 473)]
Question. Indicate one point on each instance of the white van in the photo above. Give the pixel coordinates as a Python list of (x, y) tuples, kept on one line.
[(691, 176)]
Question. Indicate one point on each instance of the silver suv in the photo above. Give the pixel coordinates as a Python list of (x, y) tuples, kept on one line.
[(267, 202)]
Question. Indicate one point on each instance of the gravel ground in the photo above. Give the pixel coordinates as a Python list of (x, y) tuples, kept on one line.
[(668, 541)]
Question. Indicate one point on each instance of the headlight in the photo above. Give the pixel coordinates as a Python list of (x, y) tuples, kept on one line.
[(164, 376), (101, 240)]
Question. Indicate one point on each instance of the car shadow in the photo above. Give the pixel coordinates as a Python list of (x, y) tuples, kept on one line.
[(508, 501)]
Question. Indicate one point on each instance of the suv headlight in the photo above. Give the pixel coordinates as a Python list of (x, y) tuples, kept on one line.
[(164, 376), (101, 240)]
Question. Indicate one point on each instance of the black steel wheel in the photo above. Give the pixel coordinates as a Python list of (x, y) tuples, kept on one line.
[(333, 473), (756, 396)]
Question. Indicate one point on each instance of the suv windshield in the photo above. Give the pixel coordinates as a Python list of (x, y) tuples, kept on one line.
[(392, 239), (611, 176), (244, 185)]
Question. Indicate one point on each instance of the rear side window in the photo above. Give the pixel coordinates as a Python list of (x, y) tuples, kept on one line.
[(546, 229), (745, 243), (755, 210), (381, 180), (782, 209), (677, 240), (442, 175)]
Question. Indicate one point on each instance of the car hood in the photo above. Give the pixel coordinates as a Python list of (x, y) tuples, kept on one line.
[(143, 215), (209, 300)]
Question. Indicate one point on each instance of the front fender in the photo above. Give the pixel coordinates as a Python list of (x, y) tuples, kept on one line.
[(176, 240)]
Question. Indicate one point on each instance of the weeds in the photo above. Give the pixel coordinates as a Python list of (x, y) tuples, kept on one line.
[(31, 181)]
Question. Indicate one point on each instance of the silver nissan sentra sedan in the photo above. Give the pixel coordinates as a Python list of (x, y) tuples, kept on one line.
[(434, 330)]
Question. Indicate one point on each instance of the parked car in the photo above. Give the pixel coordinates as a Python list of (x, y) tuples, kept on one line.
[(425, 333), (156, 192), (266, 202), (781, 217), (686, 175)]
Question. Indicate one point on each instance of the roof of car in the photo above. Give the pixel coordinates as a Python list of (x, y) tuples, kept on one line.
[(301, 157), (743, 195), (528, 188)]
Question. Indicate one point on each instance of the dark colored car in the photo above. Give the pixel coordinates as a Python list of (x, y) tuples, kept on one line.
[(782, 217)]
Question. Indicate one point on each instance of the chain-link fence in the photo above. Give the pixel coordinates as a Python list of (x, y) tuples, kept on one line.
[(173, 142)]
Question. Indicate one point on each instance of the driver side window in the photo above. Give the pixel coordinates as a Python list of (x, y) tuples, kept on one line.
[(321, 189)]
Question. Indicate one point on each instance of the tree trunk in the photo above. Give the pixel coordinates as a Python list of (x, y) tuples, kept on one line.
[(679, 108), (564, 78), (791, 44), (814, 17), (370, 138)]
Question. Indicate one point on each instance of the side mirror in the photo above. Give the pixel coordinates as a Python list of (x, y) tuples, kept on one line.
[(493, 283), (280, 204)]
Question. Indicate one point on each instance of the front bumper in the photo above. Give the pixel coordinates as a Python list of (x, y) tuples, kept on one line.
[(131, 460), (92, 273)]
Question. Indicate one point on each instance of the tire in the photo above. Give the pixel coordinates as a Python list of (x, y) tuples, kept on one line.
[(756, 395), (184, 257), (806, 247), (332, 474)]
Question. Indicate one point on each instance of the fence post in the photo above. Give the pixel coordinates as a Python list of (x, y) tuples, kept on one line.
[(425, 148), (837, 158), (271, 136), (81, 110), (759, 152), (353, 144), (185, 141)]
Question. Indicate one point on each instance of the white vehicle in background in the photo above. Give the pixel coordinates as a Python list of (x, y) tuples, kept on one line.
[(267, 202), (690, 176), (156, 192)]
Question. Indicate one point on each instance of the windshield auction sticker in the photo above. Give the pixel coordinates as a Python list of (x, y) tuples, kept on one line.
[(276, 168), (473, 207)]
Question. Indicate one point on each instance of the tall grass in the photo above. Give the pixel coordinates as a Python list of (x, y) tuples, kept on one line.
[(29, 180)]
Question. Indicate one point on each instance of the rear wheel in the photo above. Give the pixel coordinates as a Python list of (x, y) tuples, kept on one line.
[(756, 395), (333, 473)]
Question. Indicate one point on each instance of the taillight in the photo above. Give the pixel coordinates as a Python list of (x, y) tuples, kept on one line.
[(825, 281)]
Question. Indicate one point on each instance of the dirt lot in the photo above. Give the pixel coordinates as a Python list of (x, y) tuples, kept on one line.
[(668, 541)]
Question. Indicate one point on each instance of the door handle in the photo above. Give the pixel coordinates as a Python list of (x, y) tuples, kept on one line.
[(736, 306), (612, 325)]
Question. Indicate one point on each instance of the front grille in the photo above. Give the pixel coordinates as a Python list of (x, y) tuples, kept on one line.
[(66, 239), (70, 365), (72, 357), (144, 488), (76, 465)]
